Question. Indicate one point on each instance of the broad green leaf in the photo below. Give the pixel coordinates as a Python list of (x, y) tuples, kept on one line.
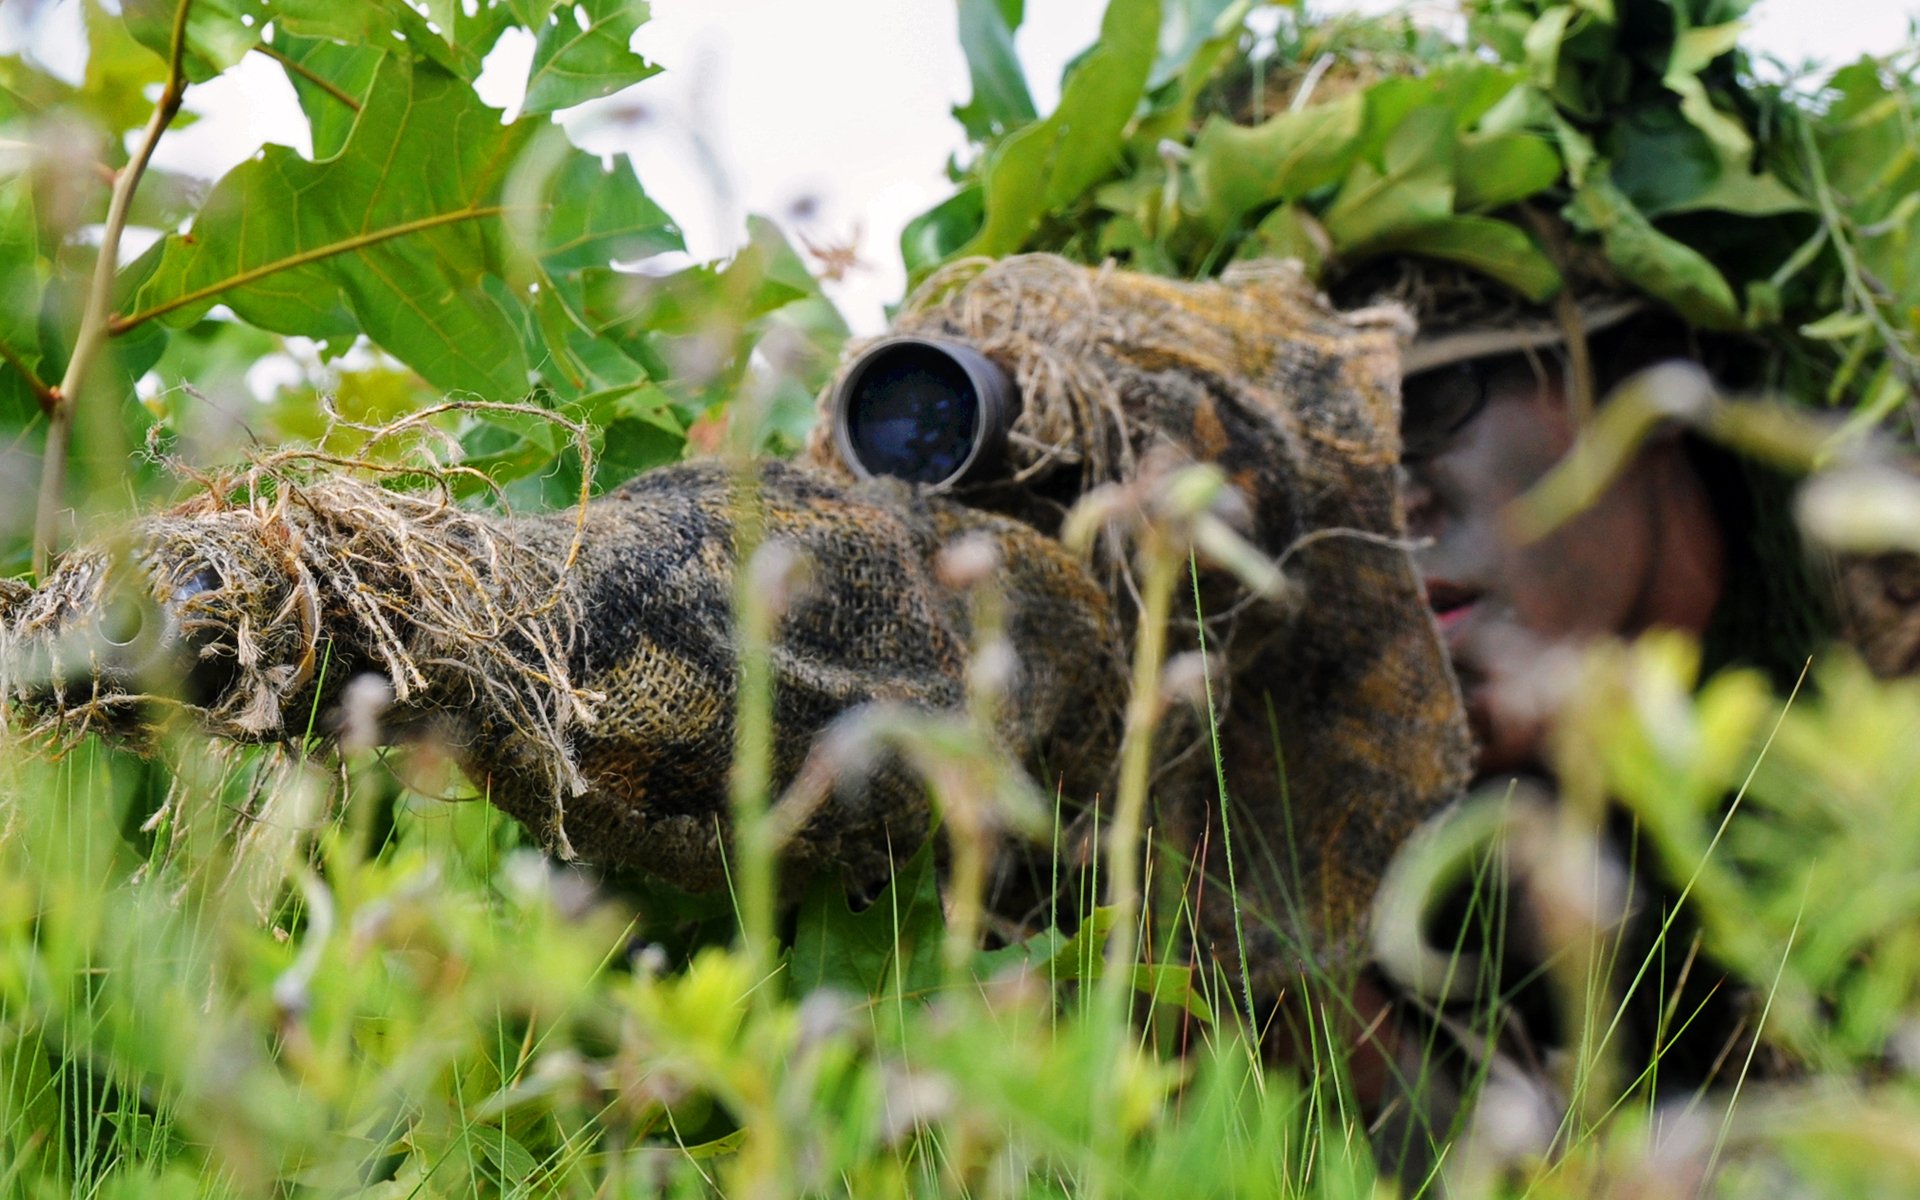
[(1542, 47), (582, 54), (218, 32), (1172, 93), (595, 216), (1693, 50), (122, 77), (1497, 169), (1652, 261), (1099, 99), (347, 245), (938, 234), (1000, 101), (1492, 247), (1414, 189), (390, 24), (23, 280), (1237, 169), (893, 943), (1082, 958), (1187, 27), (331, 80), (1659, 161), (1756, 195), (1054, 161), (1290, 231), (1471, 90)]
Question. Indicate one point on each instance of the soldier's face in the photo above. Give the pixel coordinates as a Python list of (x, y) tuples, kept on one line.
[(1478, 436)]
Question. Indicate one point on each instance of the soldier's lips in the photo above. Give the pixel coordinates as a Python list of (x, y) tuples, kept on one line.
[(1452, 603)]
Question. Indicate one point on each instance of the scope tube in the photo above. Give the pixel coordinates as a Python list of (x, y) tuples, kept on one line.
[(924, 410)]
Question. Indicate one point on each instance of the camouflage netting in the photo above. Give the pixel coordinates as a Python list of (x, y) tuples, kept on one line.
[(1299, 405), (582, 665)]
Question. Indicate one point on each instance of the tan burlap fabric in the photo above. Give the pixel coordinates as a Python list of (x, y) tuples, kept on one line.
[(583, 671)]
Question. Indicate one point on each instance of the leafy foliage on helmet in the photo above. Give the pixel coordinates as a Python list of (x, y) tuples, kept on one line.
[(1545, 146)]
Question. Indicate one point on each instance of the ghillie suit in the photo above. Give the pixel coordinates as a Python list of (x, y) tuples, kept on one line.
[(582, 665), (1340, 729), (1518, 189)]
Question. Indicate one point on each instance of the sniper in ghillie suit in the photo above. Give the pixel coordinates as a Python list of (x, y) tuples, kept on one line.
[(1306, 472)]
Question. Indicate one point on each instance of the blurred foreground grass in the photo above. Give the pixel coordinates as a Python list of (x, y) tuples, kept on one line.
[(233, 974)]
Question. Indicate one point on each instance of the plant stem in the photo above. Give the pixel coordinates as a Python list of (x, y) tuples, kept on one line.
[(41, 389), (757, 616), (95, 318), (1162, 572)]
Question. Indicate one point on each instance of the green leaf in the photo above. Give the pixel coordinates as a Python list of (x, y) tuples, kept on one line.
[(23, 281), (121, 77), (1492, 247), (1693, 50), (582, 54), (596, 216), (1414, 189), (1099, 99), (1001, 101), (1542, 47), (1237, 169), (348, 245), (1652, 261), (938, 234), (892, 944), (1051, 163), (1493, 170), (1837, 326), (331, 80), (218, 32), (1289, 231), (1187, 27), (395, 24), (1083, 958)]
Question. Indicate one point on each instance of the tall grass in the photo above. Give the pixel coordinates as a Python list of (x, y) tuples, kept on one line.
[(240, 973)]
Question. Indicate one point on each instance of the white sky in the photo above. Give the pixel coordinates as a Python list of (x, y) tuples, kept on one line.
[(842, 104)]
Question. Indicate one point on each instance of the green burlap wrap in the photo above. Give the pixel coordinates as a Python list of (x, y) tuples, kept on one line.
[(582, 665)]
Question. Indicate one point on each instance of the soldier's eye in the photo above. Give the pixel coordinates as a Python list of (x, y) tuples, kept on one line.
[(1437, 404)]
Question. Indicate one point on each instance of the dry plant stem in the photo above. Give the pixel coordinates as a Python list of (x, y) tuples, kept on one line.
[(95, 318)]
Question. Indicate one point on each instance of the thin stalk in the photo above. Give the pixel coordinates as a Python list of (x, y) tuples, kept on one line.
[(1162, 573), (752, 776), (96, 317), (42, 391), (760, 585), (1161, 565)]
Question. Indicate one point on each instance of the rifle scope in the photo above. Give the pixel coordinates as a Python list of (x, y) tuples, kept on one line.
[(924, 410)]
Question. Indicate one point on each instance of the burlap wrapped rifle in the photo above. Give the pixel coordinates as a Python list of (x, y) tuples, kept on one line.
[(582, 665)]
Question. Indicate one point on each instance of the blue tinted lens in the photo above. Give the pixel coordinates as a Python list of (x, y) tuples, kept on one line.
[(913, 416)]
